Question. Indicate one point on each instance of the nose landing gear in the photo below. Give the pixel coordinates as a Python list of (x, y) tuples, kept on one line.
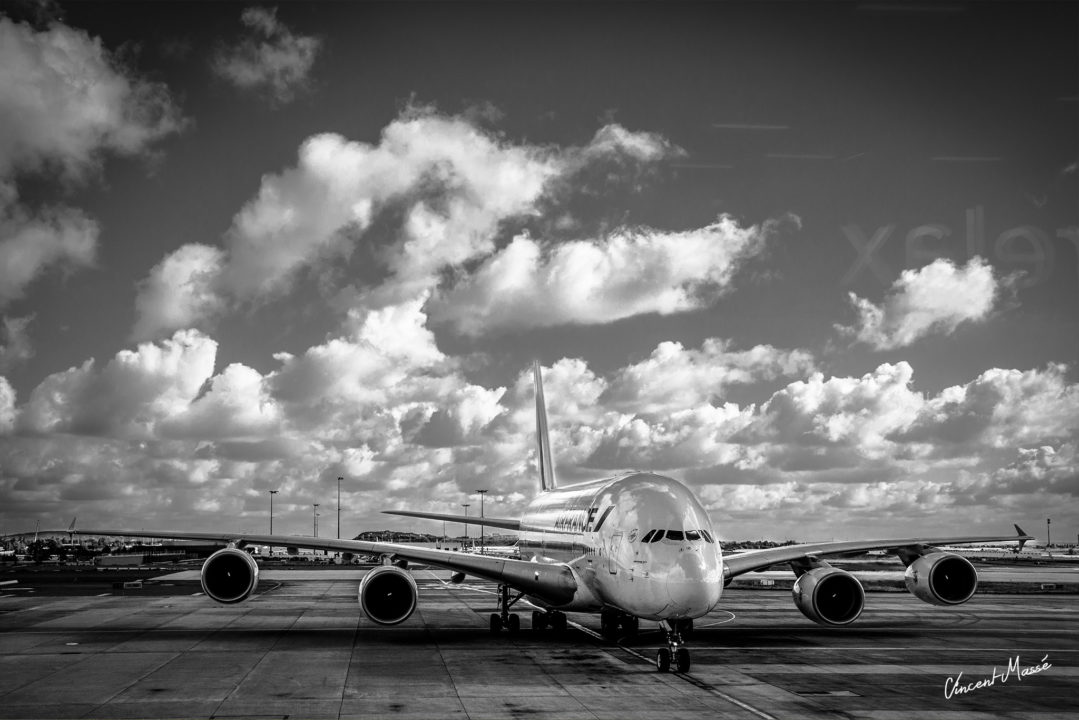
[(675, 649)]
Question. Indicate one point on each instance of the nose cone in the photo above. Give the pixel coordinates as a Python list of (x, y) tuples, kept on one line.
[(695, 584)]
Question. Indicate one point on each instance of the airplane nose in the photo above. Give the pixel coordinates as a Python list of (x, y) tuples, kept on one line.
[(694, 588)]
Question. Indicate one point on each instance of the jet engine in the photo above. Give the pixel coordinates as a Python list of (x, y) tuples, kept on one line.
[(230, 575), (388, 595), (829, 596), (942, 578)]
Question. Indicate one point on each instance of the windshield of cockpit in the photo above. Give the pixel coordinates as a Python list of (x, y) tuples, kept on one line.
[(677, 536)]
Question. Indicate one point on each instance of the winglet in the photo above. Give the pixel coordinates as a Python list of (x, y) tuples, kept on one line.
[(546, 467), (71, 528), (1024, 537)]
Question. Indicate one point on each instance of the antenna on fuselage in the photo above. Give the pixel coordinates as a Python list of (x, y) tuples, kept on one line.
[(546, 467)]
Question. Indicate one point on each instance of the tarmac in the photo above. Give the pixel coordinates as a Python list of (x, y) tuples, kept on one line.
[(301, 648)]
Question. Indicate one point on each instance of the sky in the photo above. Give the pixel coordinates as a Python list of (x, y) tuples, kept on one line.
[(816, 261)]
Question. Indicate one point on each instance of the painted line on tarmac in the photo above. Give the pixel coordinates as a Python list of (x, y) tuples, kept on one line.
[(684, 676), (845, 648)]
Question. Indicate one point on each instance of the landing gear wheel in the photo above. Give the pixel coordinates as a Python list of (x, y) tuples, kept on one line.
[(539, 621), (496, 623), (558, 622), (514, 624), (608, 625), (630, 625), (681, 660), (663, 660)]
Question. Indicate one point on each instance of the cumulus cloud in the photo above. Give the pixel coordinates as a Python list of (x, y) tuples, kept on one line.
[(382, 405), (268, 56), (1000, 408), (237, 406), (7, 406), (438, 186), (673, 377), (15, 345), (64, 99), (629, 272), (129, 396), (180, 291), (449, 182), (64, 102), (934, 299), (56, 237)]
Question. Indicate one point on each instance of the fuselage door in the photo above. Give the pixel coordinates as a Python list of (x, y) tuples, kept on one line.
[(614, 549)]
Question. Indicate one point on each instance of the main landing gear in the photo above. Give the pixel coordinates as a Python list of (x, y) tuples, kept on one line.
[(675, 650), (552, 619), (504, 618), (612, 621)]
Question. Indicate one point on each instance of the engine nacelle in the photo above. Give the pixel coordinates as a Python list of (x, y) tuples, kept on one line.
[(829, 596), (230, 575), (942, 578), (388, 595)]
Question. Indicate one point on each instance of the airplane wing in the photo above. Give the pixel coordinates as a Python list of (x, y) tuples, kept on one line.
[(504, 523), (759, 559), (552, 583)]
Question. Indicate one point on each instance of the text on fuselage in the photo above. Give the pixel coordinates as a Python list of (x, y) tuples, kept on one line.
[(581, 520)]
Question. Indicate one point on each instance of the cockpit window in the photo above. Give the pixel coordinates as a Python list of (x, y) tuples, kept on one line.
[(678, 536)]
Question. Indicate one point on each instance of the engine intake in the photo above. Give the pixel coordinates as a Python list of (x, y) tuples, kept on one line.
[(387, 595), (942, 578), (229, 575), (829, 596)]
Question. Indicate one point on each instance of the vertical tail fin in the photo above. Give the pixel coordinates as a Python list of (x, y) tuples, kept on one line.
[(546, 467)]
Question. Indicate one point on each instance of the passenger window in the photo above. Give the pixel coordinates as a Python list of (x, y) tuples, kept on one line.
[(658, 536), (676, 535), (692, 535)]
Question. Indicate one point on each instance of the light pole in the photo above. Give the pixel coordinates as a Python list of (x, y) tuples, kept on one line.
[(1048, 535), (272, 493), (483, 542), (339, 507), (314, 516), (465, 506)]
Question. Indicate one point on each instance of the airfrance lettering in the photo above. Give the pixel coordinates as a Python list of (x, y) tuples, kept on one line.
[(581, 521), (955, 686)]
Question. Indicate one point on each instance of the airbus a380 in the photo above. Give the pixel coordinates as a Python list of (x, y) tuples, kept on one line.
[(631, 547)]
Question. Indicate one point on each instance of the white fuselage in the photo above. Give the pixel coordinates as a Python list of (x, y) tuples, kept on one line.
[(602, 529)]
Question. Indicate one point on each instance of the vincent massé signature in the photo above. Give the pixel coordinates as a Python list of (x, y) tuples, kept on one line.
[(1015, 671)]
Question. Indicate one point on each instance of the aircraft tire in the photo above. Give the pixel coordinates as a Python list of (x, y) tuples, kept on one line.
[(681, 660), (539, 621), (496, 623), (513, 623), (663, 660)]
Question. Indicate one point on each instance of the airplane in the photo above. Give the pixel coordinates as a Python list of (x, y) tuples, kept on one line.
[(635, 546)]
